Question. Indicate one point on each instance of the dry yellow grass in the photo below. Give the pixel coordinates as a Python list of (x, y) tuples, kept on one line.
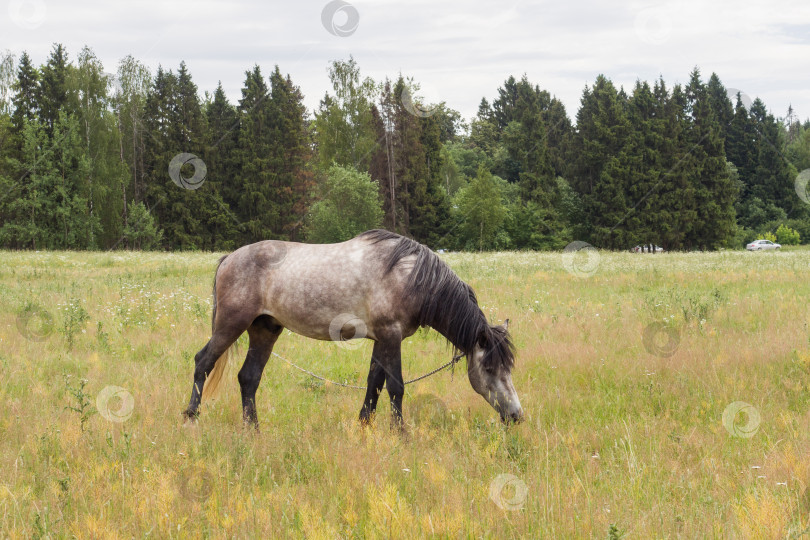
[(619, 436)]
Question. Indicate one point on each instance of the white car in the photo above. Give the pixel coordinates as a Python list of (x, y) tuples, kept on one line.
[(759, 245), (647, 248)]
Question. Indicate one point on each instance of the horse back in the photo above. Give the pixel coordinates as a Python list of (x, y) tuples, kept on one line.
[(307, 287)]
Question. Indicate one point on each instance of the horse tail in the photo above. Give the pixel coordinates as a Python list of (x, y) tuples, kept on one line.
[(211, 385), (214, 293)]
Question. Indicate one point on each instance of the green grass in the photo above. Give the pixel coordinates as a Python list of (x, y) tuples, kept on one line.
[(620, 438)]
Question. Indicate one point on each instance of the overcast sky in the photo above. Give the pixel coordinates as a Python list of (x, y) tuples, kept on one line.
[(459, 52)]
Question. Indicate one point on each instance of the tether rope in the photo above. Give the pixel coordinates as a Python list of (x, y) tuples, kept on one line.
[(452, 362)]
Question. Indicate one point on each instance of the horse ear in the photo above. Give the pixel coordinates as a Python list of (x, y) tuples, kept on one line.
[(506, 324)]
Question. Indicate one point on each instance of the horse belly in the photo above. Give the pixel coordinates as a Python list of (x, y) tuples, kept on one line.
[(319, 302)]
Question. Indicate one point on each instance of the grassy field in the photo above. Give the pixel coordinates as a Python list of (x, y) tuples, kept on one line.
[(665, 396)]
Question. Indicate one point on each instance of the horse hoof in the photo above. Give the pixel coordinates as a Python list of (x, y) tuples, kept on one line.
[(366, 419), (250, 426), (403, 433), (398, 426), (189, 420)]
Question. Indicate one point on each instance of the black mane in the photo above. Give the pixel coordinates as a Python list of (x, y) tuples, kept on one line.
[(448, 305)]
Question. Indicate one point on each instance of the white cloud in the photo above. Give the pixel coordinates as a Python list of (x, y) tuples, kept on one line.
[(458, 51)]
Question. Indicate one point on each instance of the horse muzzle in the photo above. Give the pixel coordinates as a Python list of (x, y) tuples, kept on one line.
[(512, 417)]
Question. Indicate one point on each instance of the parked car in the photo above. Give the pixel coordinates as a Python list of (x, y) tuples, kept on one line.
[(759, 245), (648, 248)]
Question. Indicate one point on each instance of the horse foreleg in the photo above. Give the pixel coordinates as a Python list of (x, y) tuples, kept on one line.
[(263, 334), (376, 380), (388, 354)]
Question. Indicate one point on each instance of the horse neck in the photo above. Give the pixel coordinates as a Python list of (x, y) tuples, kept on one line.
[(460, 325)]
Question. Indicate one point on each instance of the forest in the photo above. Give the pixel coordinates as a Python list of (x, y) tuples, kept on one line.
[(131, 159)]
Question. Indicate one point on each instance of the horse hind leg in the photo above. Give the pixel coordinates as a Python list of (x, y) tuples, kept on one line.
[(209, 362), (263, 333), (214, 353)]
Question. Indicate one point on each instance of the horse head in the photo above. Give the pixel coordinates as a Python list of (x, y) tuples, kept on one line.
[(489, 368)]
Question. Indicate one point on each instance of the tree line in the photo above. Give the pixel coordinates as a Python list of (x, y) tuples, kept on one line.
[(142, 160)]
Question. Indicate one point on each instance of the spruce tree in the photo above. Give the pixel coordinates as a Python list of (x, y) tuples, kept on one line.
[(675, 195), (258, 157), (221, 139), (642, 160), (602, 131), (522, 112), (174, 126), (28, 203), (433, 211), (49, 210), (740, 144), (715, 192), (720, 104), (26, 94), (53, 91), (773, 178), (294, 181)]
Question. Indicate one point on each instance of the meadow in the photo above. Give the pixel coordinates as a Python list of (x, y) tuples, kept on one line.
[(666, 396)]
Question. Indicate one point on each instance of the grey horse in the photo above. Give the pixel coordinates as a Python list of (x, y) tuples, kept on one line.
[(378, 285)]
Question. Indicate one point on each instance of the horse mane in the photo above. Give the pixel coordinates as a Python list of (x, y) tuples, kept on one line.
[(448, 305)]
